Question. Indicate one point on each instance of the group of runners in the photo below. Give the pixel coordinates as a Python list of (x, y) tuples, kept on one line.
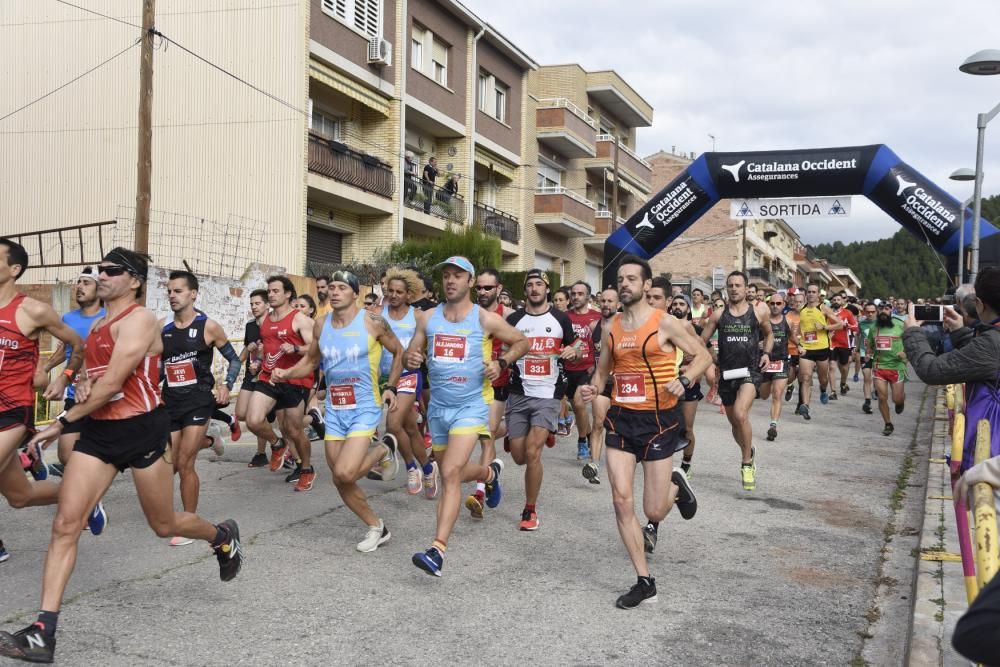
[(393, 377)]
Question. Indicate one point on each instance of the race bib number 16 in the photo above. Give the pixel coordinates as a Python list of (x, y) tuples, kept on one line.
[(449, 349)]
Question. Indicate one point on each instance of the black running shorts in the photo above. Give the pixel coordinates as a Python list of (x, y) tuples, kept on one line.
[(728, 389), (646, 434), (23, 415), (817, 355), (286, 396), (74, 427), (137, 442), (842, 355), (575, 380), (190, 409)]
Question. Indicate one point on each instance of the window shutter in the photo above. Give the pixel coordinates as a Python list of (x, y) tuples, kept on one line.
[(323, 246)]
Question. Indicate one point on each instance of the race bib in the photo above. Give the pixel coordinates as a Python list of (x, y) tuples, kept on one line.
[(449, 349), (809, 336), (407, 384), (775, 366), (630, 387), (341, 397), (537, 366), (180, 373), (883, 343)]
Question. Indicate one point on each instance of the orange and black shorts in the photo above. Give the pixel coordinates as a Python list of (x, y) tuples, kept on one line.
[(646, 434)]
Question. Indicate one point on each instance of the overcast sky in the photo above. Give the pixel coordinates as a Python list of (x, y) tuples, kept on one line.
[(775, 74)]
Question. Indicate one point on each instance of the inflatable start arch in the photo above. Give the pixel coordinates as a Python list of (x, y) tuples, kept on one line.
[(905, 194)]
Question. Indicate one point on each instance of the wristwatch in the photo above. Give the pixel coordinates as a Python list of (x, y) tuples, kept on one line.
[(61, 418), (502, 363), (684, 381)]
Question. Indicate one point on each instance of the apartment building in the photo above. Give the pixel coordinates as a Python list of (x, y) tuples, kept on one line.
[(585, 137), (716, 245)]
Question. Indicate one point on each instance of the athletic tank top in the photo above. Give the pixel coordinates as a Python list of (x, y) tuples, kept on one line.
[(272, 336), (811, 317), (351, 364), (792, 318), (498, 350), (581, 327), (403, 329), (18, 359), (739, 340), (140, 393), (455, 355), (640, 368), (81, 324), (187, 358), (781, 336)]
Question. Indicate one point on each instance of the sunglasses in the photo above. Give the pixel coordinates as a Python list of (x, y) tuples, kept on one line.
[(777, 303), (112, 270), (485, 288), (720, 305)]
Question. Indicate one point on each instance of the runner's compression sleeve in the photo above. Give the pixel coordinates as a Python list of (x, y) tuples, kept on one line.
[(234, 364)]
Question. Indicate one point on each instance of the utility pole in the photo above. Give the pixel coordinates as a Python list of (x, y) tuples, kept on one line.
[(145, 161), (614, 190), (743, 245)]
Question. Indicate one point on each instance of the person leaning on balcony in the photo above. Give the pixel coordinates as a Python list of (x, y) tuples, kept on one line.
[(410, 184), (450, 188), (430, 175)]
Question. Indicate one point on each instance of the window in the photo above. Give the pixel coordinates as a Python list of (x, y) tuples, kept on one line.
[(439, 59), (607, 127), (417, 47), (500, 106), (484, 92), (325, 124), (493, 96), (365, 16), (428, 54), (548, 176)]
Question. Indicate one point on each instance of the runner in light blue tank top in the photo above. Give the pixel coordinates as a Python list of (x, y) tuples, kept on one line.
[(350, 362)]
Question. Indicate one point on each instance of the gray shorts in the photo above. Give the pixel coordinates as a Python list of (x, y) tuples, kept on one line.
[(523, 412)]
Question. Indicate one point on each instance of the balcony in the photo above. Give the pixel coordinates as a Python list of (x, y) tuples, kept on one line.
[(563, 212), (633, 169), (434, 200), (763, 277), (565, 128), (496, 223), (605, 225), (335, 160)]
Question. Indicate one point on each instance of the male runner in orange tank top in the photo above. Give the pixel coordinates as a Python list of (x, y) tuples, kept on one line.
[(644, 421)]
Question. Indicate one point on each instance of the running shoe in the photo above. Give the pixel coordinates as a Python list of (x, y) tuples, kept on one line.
[(899, 408), (686, 467), (649, 537), (317, 423), (493, 491), (563, 429), (235, 433), (748, 472), (179, 541), (432, 482), (56, 469), (710, 396), (529, 520), (582, 451), (4, 554), (290, 462), (550, 441), (390, 462), (789, 390), (214, 434), (36, 464), (258, 461), (230, 552), (374, 538), (429, 561), (855, 378), (474, 503), (278, 451), (414, 483), (590, 472), (889, 428), (824, 397), (844, 389), (641, 592), (867, 407), (570, 418), (833, 396), (687, 503), (772, 432), (98, 519), (306, 477), (293, 477), (804, 411), (29, 644)]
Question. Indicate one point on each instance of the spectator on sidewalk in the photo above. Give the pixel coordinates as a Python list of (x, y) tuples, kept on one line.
[(977, 633), (430, 175)]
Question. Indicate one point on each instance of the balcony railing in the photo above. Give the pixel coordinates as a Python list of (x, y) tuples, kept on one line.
[(433, 200), (563, 103), (497, 223), (768, 277), (631, 164), (335, 160), (606, 224), (625, 149)]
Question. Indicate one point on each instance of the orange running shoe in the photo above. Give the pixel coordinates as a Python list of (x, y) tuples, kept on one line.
[(277, 455), (306, 478)]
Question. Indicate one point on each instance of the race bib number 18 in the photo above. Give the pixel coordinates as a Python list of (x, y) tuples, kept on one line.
[(809, 336), (341, 397)]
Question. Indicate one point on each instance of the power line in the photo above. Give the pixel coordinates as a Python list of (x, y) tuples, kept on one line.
[(71, 81), (91, 11)]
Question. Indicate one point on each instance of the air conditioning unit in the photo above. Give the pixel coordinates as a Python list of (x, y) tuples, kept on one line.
[(379, 51)]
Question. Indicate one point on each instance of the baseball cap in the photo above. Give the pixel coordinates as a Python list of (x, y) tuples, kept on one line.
[(536, 273), (88, 272), (460, 262)]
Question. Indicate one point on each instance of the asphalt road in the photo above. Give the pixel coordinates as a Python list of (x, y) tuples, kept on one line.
[(784, 575)]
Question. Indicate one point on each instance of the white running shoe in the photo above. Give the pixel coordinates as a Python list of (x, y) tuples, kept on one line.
[(414, 481), (215, 433), (390, 462), (432, 483), (374, 538), (181, 541)]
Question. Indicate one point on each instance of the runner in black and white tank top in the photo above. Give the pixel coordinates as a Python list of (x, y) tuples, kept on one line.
[(739, 341)]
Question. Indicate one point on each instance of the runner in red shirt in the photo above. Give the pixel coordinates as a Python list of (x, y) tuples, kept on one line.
[(578, 371), (285, 334), (842, 341), (128, 427), (22, 320)]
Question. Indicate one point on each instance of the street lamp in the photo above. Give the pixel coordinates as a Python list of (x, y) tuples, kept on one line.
[(985, 62), (963, 174)]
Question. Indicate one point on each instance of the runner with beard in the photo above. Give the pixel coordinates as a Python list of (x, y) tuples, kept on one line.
[(250, 356), (644, 421), (580, 368), (680, 309), (842, 341), (537, 383), (488, 289), (865, 325), (795, 303), (600, 403), (885, 340), (816, 321), (742, 327), (776, 371)]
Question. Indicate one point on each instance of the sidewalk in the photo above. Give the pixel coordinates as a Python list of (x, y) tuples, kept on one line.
[(939, 598)]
